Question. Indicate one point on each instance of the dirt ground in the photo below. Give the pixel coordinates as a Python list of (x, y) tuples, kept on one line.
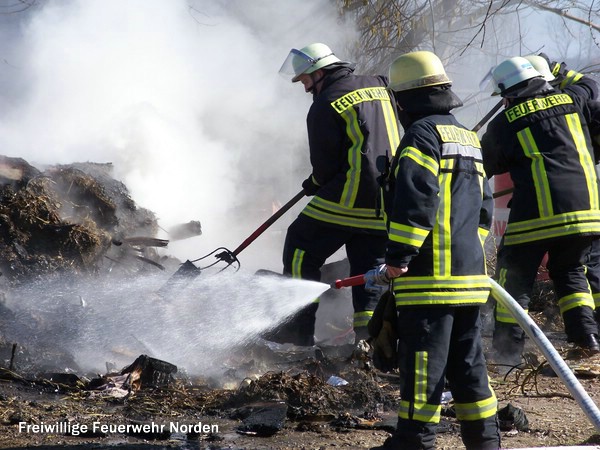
[(316, 414), (75, 220)]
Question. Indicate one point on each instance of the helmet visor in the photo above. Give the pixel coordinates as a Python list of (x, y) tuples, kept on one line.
[(297, 63)]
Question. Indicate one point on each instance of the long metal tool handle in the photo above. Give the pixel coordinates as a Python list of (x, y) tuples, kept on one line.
[(487, 117), (260, 230)]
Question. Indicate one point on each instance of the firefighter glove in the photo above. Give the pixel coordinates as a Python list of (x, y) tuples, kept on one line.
[(382, 328), (376, 278), (310, 187)]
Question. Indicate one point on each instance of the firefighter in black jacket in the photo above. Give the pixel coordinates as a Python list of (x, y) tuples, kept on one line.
[(578, 84), (350, 123), (542, 140), (438, 207)]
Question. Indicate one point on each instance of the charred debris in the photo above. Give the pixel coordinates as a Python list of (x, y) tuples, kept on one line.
[(76, 220)]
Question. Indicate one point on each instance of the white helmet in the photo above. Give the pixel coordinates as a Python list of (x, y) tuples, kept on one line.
[(512, 72), (540, 64), (308, 60)]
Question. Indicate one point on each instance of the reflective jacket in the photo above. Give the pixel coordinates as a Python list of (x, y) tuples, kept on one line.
[(542, 139), (440, 215), (350, 123)]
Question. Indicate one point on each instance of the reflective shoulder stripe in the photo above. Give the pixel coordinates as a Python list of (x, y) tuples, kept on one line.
[(572, 77), (421, 159)]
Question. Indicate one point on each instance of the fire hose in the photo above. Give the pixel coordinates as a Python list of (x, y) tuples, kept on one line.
[(537, 336)]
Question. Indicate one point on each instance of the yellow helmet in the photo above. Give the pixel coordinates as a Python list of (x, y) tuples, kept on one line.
[(415, 70), (541, 65), (309, 59), (512, 72)]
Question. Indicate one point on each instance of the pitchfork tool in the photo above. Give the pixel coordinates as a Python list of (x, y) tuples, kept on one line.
[(230, 257)]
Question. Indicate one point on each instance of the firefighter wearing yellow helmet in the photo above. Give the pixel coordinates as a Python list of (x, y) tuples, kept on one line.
[(438, 208), (542, 140), (351, 122)]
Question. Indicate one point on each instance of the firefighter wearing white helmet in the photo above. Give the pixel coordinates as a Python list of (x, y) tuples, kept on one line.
[(559, 77), (511, 73), (578, 84), (437, 203), (540, 64), (542, 140), (308, 60), (351, 122)]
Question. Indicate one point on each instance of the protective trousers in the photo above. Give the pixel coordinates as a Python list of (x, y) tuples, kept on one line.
[(438, 343), (308, 244), (593, 275), (516, 272)]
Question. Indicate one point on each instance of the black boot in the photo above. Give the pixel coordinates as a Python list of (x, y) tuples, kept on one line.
[(589, 344), (508, 343)]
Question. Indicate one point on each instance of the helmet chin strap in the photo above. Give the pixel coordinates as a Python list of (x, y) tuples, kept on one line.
[(315, 81)]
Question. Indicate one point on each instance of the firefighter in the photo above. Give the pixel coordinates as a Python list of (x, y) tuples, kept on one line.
[(438, 209), (575, 83), (542, 140), (350, 123)]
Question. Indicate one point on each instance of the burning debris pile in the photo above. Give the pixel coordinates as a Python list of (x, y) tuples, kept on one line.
[(64, 220)]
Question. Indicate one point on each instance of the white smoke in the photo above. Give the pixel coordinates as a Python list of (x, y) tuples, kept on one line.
[(183, 97)]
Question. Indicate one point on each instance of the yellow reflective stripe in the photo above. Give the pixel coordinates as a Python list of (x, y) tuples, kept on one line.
[(442, 232), (450, 282), (420, 412), (596, 298), (326, 216), (522, 238), (585, 158), (441, 298), (334, 207), (481, 409), (354, 132), (297, 263), (420, 378), (538, 172), (483, 234), (574, 300), (576, 222), (572, 77), (391, 124), (361, 318), (421, 159), (571, 218), (405, 234), (503, 315), (331, 212), (502, 276)]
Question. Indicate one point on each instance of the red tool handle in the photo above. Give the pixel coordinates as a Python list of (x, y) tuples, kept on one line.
[(356, 280), (269, 222)]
